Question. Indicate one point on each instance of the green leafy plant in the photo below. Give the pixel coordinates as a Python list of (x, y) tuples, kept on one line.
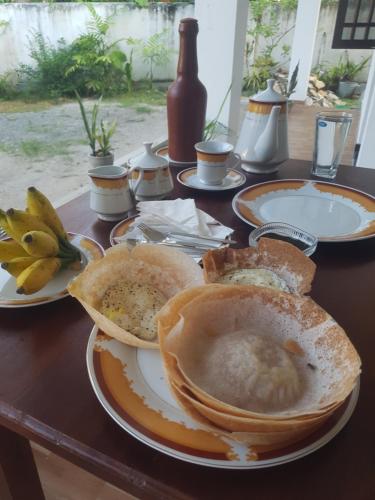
[(89, 64), (265, 15), (106, 131), (344, 70), (262, 69), (286, 89), (104, 66), (7, 87), (214, 127), (47, 76), (154, 51)]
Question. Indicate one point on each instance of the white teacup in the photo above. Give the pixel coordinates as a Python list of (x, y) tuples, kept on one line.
[(213, 160), (110, 195)]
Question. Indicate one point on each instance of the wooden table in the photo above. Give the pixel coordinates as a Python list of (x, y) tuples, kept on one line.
[(45, 393)]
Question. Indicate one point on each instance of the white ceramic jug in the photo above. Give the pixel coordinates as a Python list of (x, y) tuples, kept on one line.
[(150, 175), (263, 140), (110, 195)]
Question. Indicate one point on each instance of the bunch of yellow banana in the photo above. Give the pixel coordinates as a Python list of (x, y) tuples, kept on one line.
[(39, 246)]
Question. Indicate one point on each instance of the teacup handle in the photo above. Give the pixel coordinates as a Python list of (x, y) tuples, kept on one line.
[(238, 158)]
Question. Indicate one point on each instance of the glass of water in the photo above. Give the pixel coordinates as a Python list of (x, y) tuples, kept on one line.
[(331, 131)]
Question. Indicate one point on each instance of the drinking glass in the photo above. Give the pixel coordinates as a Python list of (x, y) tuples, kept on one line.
[(331, 131)]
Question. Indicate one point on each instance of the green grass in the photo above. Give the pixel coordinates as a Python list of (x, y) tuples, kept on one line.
[(143, 109), (32, 148), (7, 148), (18, 106), (136, 98), (349, 104), (39, 149)]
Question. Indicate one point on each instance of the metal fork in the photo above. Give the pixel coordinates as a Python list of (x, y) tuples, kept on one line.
[(198, 252), (3, 234), (157, 235)]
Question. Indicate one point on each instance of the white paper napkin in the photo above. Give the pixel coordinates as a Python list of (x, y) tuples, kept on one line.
[(181, 215), (176, 215)]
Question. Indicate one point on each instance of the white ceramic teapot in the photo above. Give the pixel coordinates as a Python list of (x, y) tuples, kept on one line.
[(150, 175), (263, 140)]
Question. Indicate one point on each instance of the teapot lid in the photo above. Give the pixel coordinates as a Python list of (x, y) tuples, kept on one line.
[(148, 159), (269, 95)]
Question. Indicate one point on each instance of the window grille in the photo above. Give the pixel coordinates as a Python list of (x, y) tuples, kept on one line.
[(355, 25)]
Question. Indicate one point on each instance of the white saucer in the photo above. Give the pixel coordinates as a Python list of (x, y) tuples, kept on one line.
[(190, 179), (163, 151)]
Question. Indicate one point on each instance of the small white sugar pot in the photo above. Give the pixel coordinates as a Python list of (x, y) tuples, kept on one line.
[(150, 175)]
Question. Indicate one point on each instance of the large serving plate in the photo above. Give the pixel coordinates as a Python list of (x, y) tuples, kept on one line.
[(131, 386), (329, 211), (56, 288)]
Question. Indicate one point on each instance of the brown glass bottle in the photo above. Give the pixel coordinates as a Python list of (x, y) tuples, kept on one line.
[(186, 98)]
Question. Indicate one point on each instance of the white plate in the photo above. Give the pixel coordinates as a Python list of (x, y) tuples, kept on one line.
[(56, 288), (329, 211), (190, 179), (163, 151), (130, 384)]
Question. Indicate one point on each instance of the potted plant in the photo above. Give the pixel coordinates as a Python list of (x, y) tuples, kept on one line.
[(99, 137), (341, 78), (347, 83)]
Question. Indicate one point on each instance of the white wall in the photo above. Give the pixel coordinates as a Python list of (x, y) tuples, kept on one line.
[(323, 53), (68, 20)]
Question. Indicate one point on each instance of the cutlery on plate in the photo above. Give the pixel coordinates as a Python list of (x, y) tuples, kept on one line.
[(198, 251), (177, 244), (3, 234), (157, 235)]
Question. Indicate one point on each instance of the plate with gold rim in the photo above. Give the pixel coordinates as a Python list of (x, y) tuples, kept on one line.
[(233, 179), (131, 386), (163, 151), (331, 212), (56, 288)]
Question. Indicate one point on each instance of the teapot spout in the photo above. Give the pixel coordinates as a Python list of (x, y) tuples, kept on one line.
[(268, 143)]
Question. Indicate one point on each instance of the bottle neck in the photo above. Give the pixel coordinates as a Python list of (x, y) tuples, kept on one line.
[(187, 60)]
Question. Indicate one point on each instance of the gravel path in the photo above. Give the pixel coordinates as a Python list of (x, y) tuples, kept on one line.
[(48, 149)]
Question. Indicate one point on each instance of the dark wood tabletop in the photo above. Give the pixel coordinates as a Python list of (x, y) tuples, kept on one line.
[(46, 396)]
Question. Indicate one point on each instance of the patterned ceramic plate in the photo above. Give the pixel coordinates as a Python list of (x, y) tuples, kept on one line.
[(329, 211), (163, 151), (131, 386), (120, 229), (56, 288), (190, 179)]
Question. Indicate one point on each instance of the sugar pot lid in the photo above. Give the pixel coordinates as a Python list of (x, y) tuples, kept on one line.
[(148, 159)]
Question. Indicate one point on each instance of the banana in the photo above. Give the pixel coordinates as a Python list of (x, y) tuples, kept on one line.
[(10, 250), (21, 222), (39, 205), (17, 265), (36, 276), (4, 224), (40, 244)]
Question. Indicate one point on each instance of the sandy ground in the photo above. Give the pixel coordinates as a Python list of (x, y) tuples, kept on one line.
[(48, 149)]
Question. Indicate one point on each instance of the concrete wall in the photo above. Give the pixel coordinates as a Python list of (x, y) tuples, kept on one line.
[(323, 53), (68, 20)]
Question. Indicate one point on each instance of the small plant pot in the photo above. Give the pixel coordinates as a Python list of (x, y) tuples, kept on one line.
[(346, 89), (101, 161)]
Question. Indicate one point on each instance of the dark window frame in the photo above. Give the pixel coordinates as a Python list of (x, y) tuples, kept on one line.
[(338, 42)]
